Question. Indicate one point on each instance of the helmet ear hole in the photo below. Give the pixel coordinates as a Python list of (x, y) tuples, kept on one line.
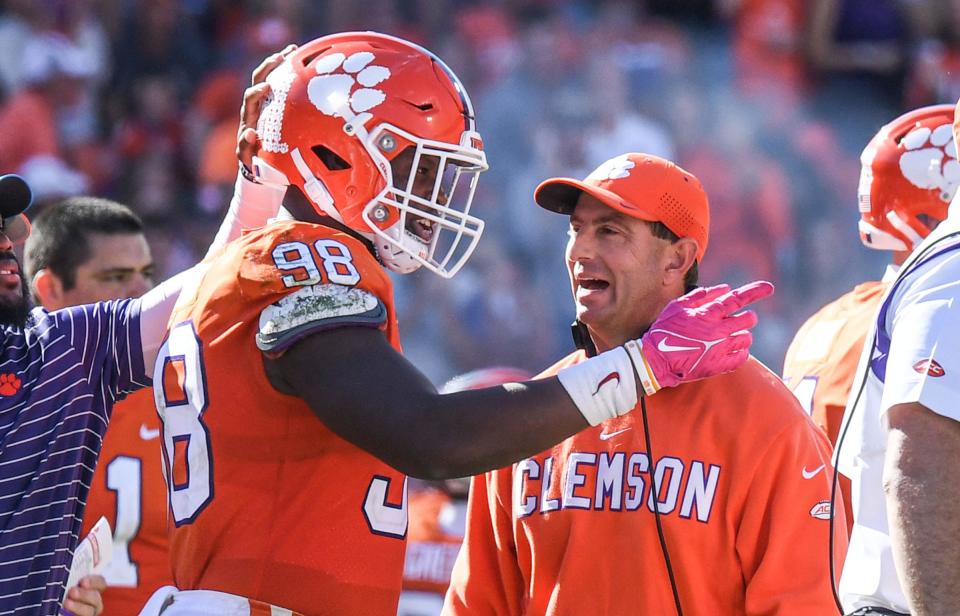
[(330, 159), (306, 60)]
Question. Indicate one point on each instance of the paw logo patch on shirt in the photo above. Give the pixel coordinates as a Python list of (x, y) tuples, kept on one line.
[(930, 367), (9, 384)]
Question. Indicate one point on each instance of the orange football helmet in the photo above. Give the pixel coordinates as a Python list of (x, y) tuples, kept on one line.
[(380, 135), (909, 174)]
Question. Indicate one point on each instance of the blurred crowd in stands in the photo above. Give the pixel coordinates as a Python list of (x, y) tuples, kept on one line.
[(768, 102)]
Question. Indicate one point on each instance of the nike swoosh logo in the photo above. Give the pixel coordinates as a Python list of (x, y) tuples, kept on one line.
[(669, 348), (147, 434), (811, 474), (605, 436), (613, 376)]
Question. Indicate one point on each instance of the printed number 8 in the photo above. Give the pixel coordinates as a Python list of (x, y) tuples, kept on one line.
[(180, 393)]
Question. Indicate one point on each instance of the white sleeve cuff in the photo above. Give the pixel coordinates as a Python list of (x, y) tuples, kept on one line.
[(252, 206), (603, 387)]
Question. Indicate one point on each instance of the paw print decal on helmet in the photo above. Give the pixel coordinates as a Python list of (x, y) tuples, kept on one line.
[(334, 90), (930, 160), (613, 169)]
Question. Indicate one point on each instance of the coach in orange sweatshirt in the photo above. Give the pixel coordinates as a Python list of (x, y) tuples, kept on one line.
[(741, 474)]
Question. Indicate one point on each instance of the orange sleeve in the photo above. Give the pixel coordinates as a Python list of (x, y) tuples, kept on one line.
[(783, 534), (486, 579)]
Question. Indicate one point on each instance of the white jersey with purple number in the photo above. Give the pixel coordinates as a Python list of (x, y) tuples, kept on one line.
[(59, 379), (914, 357)]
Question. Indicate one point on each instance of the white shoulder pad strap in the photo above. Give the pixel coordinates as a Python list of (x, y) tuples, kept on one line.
[(316, 308)]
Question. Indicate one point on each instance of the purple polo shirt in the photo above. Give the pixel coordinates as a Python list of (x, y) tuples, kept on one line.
[(59, 379)]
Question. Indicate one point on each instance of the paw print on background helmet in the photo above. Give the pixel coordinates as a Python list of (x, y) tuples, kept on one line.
[(930, 160), (350, 120), (909, 174)]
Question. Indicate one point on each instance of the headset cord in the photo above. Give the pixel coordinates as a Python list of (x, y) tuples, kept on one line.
[(656, 508)]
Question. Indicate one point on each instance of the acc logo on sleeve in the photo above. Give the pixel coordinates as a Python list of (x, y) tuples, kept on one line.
[(929, 367), (821, 510)]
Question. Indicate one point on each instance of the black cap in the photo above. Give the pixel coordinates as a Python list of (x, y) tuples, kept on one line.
[(15, 195)]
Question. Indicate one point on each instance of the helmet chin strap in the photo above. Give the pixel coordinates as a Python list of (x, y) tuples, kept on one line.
[(395, 252), (313, 187)]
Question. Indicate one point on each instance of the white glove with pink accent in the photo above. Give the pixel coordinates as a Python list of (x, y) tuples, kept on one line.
[(699, 335)]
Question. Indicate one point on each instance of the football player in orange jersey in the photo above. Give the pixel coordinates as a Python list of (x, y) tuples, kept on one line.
[(908, 177), (680, 506), (275, 510), (437, 512)]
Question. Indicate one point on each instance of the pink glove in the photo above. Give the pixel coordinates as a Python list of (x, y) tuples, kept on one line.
[(699, 335)]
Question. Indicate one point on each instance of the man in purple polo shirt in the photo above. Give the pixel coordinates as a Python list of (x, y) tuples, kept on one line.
[(60, 374)]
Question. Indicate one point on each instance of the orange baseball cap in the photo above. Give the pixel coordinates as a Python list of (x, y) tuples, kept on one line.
[(640, 185)]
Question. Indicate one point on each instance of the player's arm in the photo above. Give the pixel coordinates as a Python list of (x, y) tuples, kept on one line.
[(366, 392), (252, 205), (919, 479), (254, 201), (369, 394), (486, 578), (788, 497)]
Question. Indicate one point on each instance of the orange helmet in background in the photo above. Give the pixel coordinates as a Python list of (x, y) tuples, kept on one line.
[(909, 174), (343, 111)]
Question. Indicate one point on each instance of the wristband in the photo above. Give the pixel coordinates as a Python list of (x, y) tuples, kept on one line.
[(602, 387), (644, 372), (248, 174)]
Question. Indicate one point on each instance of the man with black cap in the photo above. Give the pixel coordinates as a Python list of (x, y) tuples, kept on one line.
[(711, 497)]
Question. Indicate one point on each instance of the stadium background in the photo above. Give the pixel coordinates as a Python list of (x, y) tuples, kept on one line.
[(768, 102)]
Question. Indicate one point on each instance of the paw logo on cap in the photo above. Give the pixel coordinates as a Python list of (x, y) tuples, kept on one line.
[(613, 169)]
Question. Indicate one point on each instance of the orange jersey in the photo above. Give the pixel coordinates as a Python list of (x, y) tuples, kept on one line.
[(822, 359), (128, 489), (267, 502), (743, 485), (436, 532), (821, 362)]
